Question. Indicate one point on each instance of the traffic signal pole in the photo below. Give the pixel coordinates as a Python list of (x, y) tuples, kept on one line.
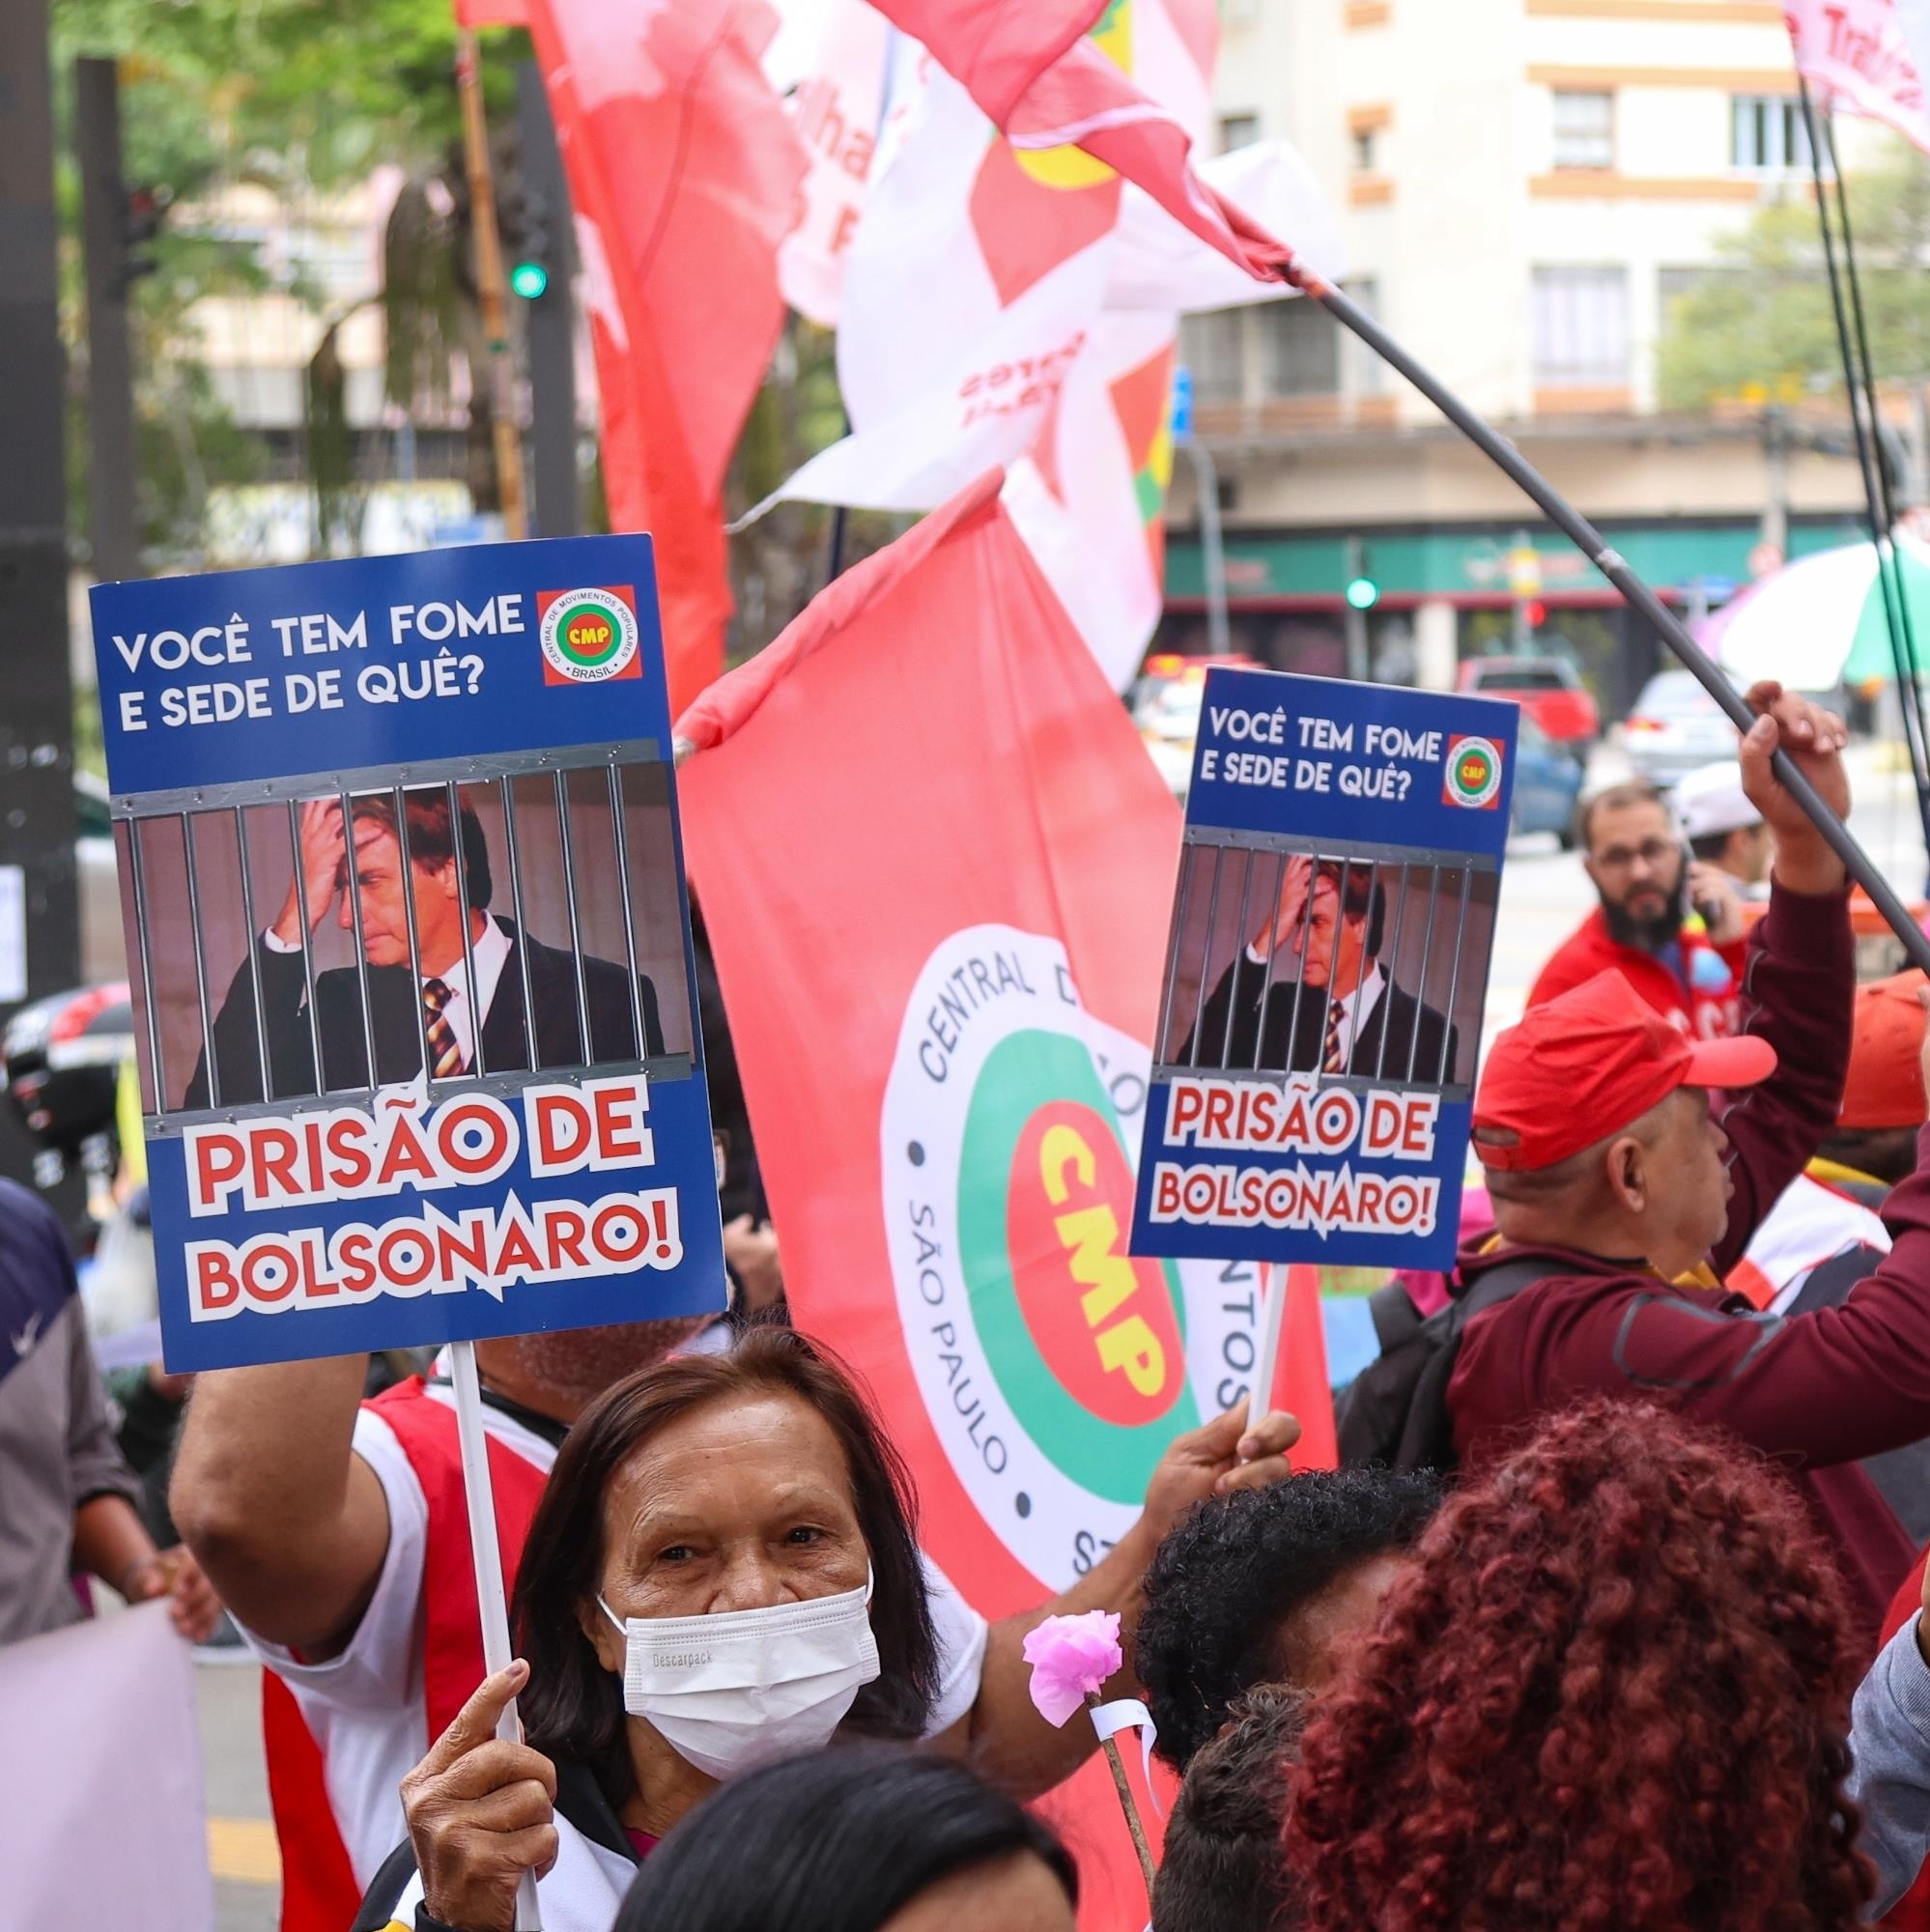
[(550, 313), (39, 915), (508, 440), (110, 380)]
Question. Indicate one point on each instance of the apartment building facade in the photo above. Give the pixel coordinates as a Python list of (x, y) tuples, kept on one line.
[(1526, 186)]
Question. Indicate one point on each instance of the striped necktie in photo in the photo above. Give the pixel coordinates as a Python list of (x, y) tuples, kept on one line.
[(445, 1054), (1330, 1058)]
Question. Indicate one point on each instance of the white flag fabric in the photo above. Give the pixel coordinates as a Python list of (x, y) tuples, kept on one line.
[(101, 1822), (1864, 55), (1018, 308), (837, 110)]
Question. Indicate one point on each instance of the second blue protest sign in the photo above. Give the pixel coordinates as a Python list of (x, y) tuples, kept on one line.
[(403, 889), (1327, 970)]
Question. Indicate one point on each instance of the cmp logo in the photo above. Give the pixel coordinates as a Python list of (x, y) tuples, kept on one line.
[(590, 637), (1474, 776), (1055, 1366)]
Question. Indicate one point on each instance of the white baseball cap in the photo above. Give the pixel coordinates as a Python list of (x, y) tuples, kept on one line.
[(1713, 800)]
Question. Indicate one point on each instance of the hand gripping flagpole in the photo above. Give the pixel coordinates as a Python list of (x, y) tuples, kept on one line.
[(487, 1553), (1634, 592)]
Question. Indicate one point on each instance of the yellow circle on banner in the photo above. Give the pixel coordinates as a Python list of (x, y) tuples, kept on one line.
[(1070, 167)]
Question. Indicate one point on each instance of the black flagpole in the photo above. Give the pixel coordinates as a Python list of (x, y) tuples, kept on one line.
[(1595, 547), (1859, 386)]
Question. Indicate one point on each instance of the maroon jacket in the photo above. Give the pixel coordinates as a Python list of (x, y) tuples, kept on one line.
[(1816, 1390)]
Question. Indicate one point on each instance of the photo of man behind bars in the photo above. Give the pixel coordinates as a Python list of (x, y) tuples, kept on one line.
[(419, 907), (1297, 962)]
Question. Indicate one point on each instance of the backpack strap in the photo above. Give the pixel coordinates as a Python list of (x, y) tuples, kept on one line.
[(1426, 1438)]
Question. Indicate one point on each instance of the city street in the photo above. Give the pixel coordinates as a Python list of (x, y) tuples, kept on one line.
[(1544, 893)]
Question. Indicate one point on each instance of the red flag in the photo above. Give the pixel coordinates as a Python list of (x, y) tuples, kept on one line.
[(1300, 1386), (492, 12), (684, 176), (933, 857), (996, 49), (1029, 65)]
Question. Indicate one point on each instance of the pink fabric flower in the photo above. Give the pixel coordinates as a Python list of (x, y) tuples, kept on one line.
[(1071, 1657)]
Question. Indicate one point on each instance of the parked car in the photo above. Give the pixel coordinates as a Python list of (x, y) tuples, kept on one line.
[(1675, 728), (1548, 690), (1548, 781), (1165, 704)]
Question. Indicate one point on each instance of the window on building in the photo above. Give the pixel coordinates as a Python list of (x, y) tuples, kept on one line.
[(1766, 134), (1584, 130), (1299, 348), (1580, 326), (1239, 131), (1209, 345), (1364, 150)]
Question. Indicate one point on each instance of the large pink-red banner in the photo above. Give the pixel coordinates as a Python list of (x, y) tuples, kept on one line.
[(1856, 53)]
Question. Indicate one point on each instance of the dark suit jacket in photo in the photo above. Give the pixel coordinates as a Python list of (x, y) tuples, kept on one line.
[(1397, 1017), (395, 1014)]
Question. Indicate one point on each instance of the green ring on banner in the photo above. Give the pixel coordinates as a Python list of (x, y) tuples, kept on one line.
[(1024, 1073)]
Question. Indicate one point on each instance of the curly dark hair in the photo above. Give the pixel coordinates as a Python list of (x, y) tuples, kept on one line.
[(1221, 1871), (1612, 1692), (1235, 1571)]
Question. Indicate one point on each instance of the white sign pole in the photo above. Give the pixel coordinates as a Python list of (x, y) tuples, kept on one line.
[(1266, 1365), (488, 1555)]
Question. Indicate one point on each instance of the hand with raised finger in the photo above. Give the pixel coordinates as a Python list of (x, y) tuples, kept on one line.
[(324, 855), (1714, 894), (1291, 912), (481, 1812)]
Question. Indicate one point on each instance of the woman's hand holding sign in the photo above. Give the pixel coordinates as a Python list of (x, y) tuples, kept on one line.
[(481, 1812)]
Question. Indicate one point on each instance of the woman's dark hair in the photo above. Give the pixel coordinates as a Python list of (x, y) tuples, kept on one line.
[(834, 1841), (1610, 1694), (573, 1707)]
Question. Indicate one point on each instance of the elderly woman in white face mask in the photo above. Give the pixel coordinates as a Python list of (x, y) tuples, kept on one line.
[(722, 1570)]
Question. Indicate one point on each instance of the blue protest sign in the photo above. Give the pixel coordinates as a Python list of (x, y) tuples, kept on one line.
[(403, 886), (1320, 1016)]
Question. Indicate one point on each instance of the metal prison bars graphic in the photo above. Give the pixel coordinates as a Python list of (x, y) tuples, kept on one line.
[(1454, 877), (591, 824)]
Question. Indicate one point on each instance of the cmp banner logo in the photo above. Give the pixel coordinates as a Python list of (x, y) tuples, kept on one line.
[(1055, 1368), (589, 637), (1472, 775)]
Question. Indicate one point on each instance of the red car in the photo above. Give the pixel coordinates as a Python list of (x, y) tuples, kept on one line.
[(1549, 690)]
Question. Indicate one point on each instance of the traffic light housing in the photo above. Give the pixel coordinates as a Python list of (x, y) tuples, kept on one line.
[(529, 238), (143, 207)]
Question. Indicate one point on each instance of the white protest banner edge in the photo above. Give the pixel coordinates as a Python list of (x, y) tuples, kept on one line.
[(480, 1497)]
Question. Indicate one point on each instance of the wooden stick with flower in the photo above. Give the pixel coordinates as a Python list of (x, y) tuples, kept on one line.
[(1071, 1659)]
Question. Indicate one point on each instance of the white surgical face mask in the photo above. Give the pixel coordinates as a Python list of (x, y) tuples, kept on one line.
[(734, 1689)]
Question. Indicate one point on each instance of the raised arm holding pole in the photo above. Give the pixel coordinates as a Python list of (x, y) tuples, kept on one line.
[(1635, 593)]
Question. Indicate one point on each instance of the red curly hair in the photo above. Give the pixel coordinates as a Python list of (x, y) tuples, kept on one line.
[(1612, 1692)]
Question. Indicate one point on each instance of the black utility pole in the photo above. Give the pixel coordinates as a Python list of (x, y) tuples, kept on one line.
[(110, 375), (39, 915), (550, 314)]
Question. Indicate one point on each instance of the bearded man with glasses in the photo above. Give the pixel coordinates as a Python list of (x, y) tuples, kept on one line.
[(1688, 968)]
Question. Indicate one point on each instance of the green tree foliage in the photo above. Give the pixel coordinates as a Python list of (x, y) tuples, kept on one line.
[(299, 97), (1759, 328)]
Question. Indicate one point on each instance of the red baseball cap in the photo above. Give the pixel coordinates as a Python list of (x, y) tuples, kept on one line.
[(1885, 1087), (1581, 1067)]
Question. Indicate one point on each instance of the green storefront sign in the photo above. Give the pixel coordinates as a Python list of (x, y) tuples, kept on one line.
[(1460, 563)]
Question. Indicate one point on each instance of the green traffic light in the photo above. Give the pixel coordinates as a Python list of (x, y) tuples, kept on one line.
[(530, 279), (1363, 593)]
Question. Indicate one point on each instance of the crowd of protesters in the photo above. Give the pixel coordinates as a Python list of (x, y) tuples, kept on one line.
[(1622, 1627)]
